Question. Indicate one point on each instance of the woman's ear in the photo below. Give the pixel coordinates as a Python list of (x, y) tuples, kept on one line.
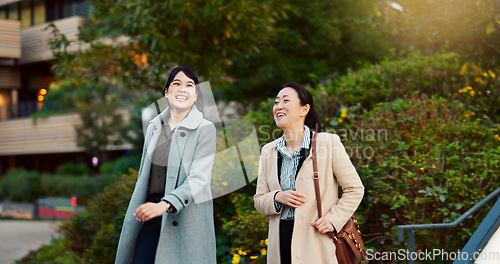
[(305, 110)]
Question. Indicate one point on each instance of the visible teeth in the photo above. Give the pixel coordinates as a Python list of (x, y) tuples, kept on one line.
[(280, 114), (182, 97)]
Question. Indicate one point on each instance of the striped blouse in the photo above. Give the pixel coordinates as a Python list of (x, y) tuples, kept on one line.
[(288, 167)]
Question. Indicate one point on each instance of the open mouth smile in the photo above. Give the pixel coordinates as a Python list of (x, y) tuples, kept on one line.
[(181, 98)]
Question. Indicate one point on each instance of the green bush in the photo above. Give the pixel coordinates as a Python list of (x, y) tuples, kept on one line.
[(432, 162), (441, 74), (247, 231), (72, 168), (92, 236), (20, 185), (121, 164), (70, 179), (56, 252)]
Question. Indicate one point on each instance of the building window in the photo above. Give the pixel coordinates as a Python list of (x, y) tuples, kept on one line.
[(13, 11), (26, 14), (39, 12), (3, 12), (59, 9), (34, 12)]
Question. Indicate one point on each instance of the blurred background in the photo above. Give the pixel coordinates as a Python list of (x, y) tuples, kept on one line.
[(412, 87)]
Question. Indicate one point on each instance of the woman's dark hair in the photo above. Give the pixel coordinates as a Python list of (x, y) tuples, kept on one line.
[(191, 75), (305, 97)]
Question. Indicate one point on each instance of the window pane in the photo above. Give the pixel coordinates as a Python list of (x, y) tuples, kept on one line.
[(25, 14), (3, 13), (14, 12), (65, 9), (39, 10), (51, 10)]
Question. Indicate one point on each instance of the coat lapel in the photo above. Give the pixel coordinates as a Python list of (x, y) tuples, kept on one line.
[(274, 181)]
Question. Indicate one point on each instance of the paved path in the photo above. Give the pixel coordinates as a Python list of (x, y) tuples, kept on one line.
[(18, 237)]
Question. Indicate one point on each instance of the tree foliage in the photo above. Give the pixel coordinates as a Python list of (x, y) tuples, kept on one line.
[(317, 40), (470, 28)]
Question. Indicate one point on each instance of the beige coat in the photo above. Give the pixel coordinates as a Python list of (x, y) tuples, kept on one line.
[(308, 245)]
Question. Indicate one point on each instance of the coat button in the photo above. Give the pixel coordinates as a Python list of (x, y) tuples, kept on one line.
[(183, 134), (186, 201), (301, 177), (175, 223), (298, 256)]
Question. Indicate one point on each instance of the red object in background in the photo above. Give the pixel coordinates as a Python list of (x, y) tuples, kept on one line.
[(73, 201), (46, 212)]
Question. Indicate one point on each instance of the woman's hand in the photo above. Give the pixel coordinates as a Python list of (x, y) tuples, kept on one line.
[(148, 211), (291, 198), (323, 225)]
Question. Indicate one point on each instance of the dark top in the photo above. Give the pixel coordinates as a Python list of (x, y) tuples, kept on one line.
[(159, 164)]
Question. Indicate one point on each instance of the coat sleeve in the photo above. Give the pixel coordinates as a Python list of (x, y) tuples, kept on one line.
[(264, 197), (200, 171), (351, 184)]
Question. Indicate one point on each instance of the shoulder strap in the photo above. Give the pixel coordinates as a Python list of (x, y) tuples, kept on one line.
[(316, 175)]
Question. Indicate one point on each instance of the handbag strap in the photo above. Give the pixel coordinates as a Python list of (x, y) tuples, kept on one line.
[(358, 252), (316, 175)]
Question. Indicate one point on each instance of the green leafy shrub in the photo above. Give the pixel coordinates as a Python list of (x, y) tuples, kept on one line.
[(441, 74), (56, 252), (94, 234), (247, 230), (72, 168), (432, 162), (20, 185), (91, 236), (121, 165)]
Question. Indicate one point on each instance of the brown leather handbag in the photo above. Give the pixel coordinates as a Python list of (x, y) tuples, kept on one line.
[(350, 247)]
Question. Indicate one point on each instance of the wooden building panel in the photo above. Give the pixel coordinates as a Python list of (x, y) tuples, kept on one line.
[(10, 78), (35, 39), (8, 2), (54, 134), (10, 39)]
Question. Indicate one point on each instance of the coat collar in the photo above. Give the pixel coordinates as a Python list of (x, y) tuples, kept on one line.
[(190, 122)]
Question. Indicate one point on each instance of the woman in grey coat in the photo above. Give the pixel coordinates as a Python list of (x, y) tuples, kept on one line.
[(170, 215)]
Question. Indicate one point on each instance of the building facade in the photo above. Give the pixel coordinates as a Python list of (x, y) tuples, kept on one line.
[(25, 77)]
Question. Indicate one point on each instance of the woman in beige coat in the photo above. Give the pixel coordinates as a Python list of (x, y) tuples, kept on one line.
[(285, 188)]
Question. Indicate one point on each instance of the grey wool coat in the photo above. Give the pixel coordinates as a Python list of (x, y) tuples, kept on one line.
[(188, 235)]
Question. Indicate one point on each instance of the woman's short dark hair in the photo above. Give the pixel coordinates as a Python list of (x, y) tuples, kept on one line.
[(305, 97), (191, 75)]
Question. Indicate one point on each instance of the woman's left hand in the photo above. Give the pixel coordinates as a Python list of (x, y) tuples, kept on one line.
[(323, 225), (148, 211)]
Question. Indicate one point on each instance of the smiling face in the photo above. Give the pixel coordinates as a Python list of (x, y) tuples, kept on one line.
[(181, 94), (287, 111)]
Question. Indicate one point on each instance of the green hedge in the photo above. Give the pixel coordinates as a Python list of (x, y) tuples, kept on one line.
[(444, 75), (26, 186), (70, 179), (91, 236), (423, 160)]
